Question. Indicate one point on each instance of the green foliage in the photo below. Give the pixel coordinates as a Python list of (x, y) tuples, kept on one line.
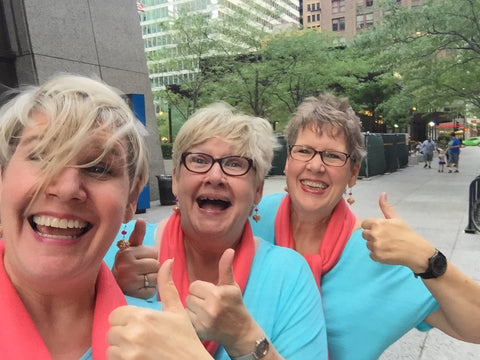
[(435, 47), (427, 56)]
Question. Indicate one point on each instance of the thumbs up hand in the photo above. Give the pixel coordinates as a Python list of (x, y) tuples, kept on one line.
[(217, 311), (138, 333), (391, 241), (137, 264)]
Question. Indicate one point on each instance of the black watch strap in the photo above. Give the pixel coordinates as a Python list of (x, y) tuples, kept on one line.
[(437, 265)]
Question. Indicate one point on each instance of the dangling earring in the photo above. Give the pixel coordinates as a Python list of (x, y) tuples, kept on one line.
[(176, 207), (350, 199), (123, 244), (256, 217)]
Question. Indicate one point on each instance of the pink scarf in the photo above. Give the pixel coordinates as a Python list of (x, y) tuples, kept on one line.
[(336, 235), (19, 338), (172, 246)]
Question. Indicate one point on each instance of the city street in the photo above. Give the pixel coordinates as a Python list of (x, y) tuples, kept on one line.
[(436, 205)]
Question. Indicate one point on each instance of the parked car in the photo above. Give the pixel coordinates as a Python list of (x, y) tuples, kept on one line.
[(473, 141)]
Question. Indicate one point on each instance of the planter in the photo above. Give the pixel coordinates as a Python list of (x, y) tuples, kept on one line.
[(165, 190)]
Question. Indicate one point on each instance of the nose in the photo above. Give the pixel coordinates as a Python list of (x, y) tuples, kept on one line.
[(215, 174), (316, 163), (67, 185)]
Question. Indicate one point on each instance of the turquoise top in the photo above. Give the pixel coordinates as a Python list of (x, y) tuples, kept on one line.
[(368, 305), (281, 295)]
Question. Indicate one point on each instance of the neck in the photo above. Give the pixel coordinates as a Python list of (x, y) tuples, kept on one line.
[(65, 324), (203, 255), (62, 314), (307, 232)]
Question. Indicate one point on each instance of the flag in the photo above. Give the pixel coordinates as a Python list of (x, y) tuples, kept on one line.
[(140, 7)]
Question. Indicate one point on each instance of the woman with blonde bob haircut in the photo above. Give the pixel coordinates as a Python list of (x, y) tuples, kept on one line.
[(246, 299), (72, 160)]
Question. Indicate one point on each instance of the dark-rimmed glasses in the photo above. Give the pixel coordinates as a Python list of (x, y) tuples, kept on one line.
[(201, 163), (329, 157)]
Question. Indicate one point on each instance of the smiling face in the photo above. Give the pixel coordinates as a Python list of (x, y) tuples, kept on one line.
[(315, 188), (62, 232), (215, 206)]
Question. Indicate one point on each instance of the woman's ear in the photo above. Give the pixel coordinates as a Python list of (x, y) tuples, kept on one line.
[(174, 183), (354, 175), (131, 208), (259, 192)]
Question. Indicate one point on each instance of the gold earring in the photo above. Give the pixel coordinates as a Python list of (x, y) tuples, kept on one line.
[(256, 217), (350, 199), (176, 207)]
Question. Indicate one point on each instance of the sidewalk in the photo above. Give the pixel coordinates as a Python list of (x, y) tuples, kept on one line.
[(434, 204)]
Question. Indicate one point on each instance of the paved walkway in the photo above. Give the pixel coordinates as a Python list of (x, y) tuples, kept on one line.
[(436, 205)]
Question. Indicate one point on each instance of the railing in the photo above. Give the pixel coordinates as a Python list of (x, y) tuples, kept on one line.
[(474, 207)]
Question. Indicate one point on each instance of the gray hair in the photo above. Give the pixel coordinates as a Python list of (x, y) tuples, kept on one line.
[(250, 136), (329, 110)]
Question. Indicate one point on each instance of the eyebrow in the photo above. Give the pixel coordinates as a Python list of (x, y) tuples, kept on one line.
[(29, 139)]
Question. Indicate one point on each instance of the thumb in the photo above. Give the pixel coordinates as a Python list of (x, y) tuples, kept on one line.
[(225, 268), (138, 233), (387, 209), (166, 288)]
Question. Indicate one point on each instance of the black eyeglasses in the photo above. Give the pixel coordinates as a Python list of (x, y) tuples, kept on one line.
[(329, 157), (201, 163)]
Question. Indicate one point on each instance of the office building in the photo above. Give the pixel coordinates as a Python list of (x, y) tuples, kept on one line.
[(345, 17), (160, 46)]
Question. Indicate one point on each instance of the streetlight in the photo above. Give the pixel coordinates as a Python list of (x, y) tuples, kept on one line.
[(431, 124), (413, 109)]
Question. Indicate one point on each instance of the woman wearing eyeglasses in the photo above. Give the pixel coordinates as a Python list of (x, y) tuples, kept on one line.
[(369, 300), (245, 297)]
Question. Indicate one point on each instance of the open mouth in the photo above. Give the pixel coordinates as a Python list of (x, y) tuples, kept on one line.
[(213, 204), (57, 228), (314, 185)]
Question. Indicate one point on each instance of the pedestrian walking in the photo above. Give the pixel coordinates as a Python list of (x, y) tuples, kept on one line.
[(454, 152), (441, 159), (428, 146)]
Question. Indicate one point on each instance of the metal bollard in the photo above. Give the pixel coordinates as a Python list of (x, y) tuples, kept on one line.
[(474, 207)]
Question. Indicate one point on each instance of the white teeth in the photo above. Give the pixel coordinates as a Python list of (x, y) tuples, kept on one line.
[(316, 185), (58, 223)]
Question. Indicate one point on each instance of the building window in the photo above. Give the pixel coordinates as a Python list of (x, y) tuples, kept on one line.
[(369, 3), (318, 17), (364, 21), (338, 6), (338, 24), (308, 18), (309, 8)]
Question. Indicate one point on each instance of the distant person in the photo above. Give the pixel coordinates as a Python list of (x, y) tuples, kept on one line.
[(441, 159), (428, 146), (454, 152), (418, 148)]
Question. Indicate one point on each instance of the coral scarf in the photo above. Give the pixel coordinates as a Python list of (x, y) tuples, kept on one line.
[(20, 339), (172, 246), (336, 235)]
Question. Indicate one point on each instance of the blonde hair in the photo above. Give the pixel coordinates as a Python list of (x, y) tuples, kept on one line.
[(250, 136), (76, 108), (329, 110)]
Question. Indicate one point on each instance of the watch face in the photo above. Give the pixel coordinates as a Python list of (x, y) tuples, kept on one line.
[(262, 348), (439, 265)]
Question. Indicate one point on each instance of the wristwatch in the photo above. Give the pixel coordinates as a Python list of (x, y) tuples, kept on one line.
[(437, 265), (261, 349)]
